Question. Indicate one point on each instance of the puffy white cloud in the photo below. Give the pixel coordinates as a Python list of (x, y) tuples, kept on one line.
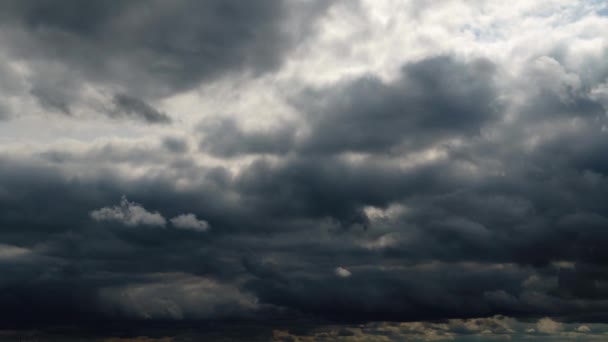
[(190, 221), (129, 214)]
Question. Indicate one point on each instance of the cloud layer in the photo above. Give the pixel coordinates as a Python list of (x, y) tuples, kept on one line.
[(341, 161), (130, 214)]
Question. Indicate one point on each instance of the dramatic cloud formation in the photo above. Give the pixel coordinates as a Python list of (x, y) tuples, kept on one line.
[(407, 170)]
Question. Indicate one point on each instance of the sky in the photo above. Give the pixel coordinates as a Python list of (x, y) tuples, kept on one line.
[(399, 170)]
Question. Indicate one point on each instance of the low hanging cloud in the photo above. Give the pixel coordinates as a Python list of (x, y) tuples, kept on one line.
[(129, 214), (190, 221)]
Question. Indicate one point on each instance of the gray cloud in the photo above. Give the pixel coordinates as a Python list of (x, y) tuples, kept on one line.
[(433, 99), (147, 49), (175, 145), (133, 107), (456, 187), (53, 97), (4, 112)]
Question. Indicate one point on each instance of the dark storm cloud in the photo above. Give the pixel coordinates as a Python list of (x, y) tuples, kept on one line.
[(133, 107), (508, 222), (558, 93), (529, 198), (401, 294), (328, 188), (149, 49), (444, 223), (433, 99), (70, 258)]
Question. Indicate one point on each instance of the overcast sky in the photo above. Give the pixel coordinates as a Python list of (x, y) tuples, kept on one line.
[(347, 161)]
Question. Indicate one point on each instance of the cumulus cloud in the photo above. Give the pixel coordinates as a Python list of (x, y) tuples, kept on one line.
[(129, 214), (189, 221)]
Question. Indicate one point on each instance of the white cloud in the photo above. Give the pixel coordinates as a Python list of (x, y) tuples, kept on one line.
[(342, 272), (189, 221), (129, 214)]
